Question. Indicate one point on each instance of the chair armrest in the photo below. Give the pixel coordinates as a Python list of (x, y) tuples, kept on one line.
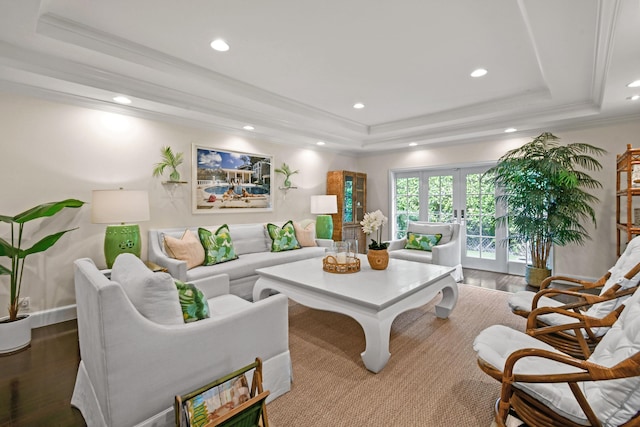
[(582, 321), (213, 286), (447, 254), (584, 284), (175, 267), (397, 244), (325, 243)]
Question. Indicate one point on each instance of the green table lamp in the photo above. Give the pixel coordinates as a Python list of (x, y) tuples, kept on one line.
[(120, 206), (324, 205)]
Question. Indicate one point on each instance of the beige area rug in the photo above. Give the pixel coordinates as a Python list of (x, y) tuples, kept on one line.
[(432, 378)]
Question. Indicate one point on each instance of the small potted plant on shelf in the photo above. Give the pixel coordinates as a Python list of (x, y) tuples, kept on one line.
[(287, 172), (544, 188), (15, 330), (170, 160), (377, 254)]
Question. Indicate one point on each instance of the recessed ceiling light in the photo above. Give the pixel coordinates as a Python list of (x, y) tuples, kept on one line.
[(122, 100), (358, 105), (634, 98), (510, 130), (413, 144), (320, 143), (479, 72), (634, 84), (248, 127), (219, 45)]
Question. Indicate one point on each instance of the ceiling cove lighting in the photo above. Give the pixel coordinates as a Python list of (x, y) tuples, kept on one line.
[(479, 72), (320, 143), (122, 100), (635, 83), (248, 127), (510, 130), (358, 105), (219, 45), (634, 98), (413, 144)]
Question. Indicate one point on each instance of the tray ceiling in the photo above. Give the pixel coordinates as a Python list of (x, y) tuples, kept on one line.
[(295, 68)]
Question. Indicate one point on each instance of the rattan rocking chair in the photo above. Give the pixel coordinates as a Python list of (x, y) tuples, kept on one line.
[(523, 302), (577, 328), (575, 319), (546, 387)]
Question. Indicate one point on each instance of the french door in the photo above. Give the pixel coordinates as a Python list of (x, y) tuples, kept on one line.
[(461, 195)]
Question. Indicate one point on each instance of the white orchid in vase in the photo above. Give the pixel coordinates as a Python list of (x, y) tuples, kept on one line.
[(373, 223)]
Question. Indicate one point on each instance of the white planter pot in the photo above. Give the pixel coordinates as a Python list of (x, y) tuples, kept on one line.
[(15, 335)]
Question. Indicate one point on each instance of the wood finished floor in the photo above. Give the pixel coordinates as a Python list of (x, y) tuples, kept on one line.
[(36, 384)]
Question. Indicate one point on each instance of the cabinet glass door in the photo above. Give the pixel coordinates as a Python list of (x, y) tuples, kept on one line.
[(360, 197), (348, 211)]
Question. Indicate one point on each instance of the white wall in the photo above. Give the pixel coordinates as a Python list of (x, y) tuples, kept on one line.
[(51, 151), (591, 260), (54, 151)]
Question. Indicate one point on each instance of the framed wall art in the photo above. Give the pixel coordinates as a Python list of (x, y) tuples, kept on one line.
[(231, 181)]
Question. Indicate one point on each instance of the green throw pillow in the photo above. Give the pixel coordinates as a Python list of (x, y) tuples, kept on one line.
[(217, 246), (193, 302), (283, 239), (423, 242)]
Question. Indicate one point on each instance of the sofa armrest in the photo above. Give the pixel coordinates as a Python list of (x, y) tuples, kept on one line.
[(394, 245), (175, 267), (213, 286), (447, 254), (325, 243)]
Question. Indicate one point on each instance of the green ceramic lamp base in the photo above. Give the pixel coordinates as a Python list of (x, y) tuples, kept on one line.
[(121, 239), (324, 227)]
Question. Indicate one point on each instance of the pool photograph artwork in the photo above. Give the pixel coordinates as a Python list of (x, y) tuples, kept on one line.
[(227, 181)]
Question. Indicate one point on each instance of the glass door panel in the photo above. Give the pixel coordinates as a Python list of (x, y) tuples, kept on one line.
[(407, 204), (465, 196), (481, 249), (347, 216)]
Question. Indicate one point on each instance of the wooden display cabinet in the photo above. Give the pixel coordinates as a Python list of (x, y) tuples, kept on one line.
[(626, 190), (351, 191)]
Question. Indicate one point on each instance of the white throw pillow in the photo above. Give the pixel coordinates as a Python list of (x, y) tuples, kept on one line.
[(154, 295)]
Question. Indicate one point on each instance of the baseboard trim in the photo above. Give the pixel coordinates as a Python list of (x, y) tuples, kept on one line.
[(52, 316)]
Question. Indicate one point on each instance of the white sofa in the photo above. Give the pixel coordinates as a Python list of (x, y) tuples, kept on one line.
[(253, 246), (133, 365), (447, 252)]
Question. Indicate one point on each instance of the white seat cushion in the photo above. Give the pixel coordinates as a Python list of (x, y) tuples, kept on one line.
[(522, 301)]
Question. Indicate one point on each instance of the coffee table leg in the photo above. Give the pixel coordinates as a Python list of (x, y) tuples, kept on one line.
[(448, 301), (376, 334)]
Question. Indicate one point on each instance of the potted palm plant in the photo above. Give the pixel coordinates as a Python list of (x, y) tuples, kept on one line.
[(15, 330), (169, 160), (544, 189), (287, 172)]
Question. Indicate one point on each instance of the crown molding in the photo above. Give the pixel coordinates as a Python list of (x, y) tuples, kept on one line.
[(62, 29)]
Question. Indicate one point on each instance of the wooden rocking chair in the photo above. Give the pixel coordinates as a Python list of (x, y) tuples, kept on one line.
[(546, 387), (577, 326)]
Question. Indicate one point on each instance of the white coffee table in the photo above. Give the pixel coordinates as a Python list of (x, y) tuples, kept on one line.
[(372, 297)]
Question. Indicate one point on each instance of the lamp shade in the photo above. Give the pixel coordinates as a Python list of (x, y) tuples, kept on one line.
[(119, 206), (324, 204)]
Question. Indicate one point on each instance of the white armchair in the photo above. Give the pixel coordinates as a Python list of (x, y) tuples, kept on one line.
[(132, 367), (447, 252), (547, 387)]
